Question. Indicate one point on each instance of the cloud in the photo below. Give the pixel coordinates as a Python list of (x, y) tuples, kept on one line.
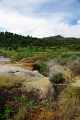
[(14, 22), (40, 18), (25, 7), (67, 30)]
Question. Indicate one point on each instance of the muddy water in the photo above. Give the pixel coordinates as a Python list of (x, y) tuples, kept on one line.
[(3, 59)]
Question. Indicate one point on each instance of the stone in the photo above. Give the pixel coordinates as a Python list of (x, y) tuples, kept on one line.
[(33, 85), (21, 73), (43, 89)]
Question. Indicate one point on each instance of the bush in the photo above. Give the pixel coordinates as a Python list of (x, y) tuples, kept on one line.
[(57, 78), (43, 67), (19, 108)]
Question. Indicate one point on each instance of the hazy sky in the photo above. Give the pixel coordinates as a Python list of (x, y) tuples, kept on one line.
[(40, 18)]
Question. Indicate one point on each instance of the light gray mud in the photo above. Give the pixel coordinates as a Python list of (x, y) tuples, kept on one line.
[(4, 59)]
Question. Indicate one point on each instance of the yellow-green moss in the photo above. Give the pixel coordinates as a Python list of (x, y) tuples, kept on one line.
[(9, 81)]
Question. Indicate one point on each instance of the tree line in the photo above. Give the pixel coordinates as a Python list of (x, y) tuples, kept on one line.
[(13, 41)]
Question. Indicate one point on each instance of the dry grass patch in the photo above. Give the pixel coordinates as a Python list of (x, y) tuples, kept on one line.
[(9, 82), (69, 103), (66, 72)]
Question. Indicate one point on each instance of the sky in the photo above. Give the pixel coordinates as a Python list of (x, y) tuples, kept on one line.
[(41, 18)]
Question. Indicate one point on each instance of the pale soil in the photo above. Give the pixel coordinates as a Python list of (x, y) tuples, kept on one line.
[(3, 59)]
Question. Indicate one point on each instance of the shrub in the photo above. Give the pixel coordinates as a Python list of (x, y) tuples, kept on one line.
[(57, 78), (43, 67), (19, 108), (8, 110)]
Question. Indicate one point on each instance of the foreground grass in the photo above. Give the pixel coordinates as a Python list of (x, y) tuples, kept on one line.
[(66, 107), (69, 103)]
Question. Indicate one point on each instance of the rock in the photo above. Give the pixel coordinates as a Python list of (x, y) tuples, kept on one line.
[(42, 89), (33, 84), (19, 72)]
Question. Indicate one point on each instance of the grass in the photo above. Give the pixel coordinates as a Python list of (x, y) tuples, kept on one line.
[(49, 104), (66, 59), (43, 67), (17, 109), (69, 103), (9, 82), (7, 112), (72, 91), (8, 53)]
